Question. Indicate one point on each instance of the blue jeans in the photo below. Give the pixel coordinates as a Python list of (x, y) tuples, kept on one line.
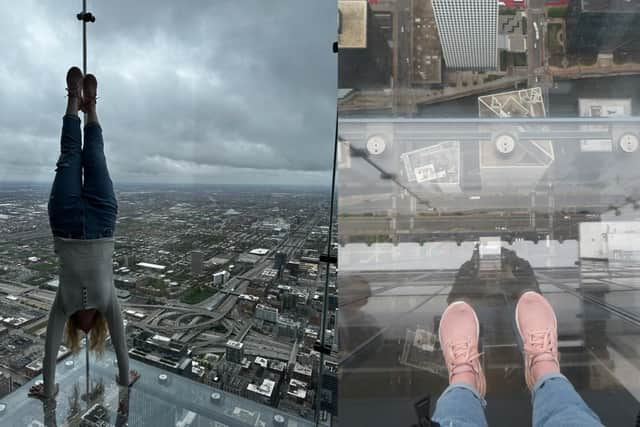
[(77, 209), (555, 403)]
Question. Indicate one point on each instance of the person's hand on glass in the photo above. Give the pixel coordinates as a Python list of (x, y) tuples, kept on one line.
[(37, 391), (133, 377)]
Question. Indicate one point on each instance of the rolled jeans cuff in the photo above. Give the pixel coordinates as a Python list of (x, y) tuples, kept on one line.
[(71, 116), (544, 378), (92, 124), (468, 387)]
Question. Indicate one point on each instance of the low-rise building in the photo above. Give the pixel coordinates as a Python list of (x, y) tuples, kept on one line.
[(266, 313), (162, 351)]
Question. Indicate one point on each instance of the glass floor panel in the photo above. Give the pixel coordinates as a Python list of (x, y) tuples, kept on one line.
[(432, 211), (599, 354), (158, 398)]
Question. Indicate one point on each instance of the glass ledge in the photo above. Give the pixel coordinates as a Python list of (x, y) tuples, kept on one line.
[(158, 398)]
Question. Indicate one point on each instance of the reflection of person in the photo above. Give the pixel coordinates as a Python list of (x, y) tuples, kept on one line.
[(122, 414), (358, 332), (509, 278), (555, 401), (359, 341), (82, 216)]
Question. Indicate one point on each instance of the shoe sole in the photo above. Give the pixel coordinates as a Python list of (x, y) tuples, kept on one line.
[(555, 320), (482, 388), (73, 73)]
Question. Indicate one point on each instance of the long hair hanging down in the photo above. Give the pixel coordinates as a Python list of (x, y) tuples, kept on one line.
[(97, 336)]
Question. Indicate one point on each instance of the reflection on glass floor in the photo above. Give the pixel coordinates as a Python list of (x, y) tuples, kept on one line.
[(157, 399), (395, 360), (431, 211)]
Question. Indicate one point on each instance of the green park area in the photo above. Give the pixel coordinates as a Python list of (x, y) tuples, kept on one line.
[(556, 39), (44, 267), (157, 284), (197, 294), (557, 11)]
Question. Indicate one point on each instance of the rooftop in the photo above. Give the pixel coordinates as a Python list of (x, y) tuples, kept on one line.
[(261, 361), (151, 266), (353, 23), (234, 344), (517, 103), (297, 388), (265, 389), (599, 107)]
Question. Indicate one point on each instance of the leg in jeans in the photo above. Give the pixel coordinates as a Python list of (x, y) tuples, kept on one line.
[(99, 198), (65, 202), (460, 405), (556, 403)]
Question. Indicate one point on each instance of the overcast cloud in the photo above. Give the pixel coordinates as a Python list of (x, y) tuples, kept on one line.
[(229, 91)]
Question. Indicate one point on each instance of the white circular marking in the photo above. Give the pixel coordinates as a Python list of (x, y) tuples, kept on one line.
[(629, 143), (376, 145), (505, 144)]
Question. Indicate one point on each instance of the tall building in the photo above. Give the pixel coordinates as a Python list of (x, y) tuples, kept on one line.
[(287, 327), (220, 277), (5, 384), (234, 351), (163, 352), (266, 313), (603, 26), (288, 301), (280, 261), (329, 396), (293, 267), (197, 261), (365, 59), (468, 31)]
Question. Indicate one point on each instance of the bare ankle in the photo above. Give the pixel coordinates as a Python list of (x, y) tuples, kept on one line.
[(543, 368), (465, 377), (72, 107)]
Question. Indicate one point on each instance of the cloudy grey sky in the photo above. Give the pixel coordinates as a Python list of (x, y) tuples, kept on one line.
[(225, 91)]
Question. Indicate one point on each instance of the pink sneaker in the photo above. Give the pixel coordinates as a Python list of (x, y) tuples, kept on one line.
[(538, 328), (459, 333)]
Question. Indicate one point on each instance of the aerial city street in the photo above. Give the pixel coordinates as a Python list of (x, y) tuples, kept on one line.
[(222, 285)]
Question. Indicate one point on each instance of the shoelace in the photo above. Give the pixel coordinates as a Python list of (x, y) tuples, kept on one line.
[(74, 93), (463, 355), (540, 346)]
